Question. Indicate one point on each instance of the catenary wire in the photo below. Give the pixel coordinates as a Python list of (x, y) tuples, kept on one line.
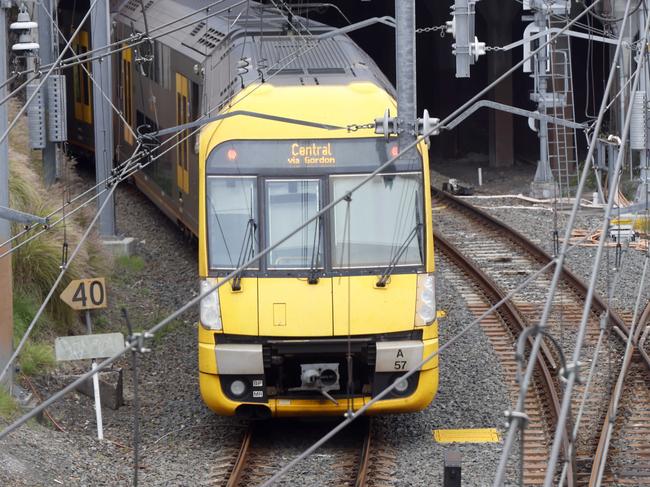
[(58, 280), (515, 422), (13, 123), (124, 174), (211, 290), (291, 58), (596, 267), (130, 345), (87, 71)]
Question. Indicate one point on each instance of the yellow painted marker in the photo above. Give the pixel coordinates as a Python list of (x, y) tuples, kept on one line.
[(475, 435)]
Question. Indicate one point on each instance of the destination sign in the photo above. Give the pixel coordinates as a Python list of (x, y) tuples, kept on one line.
[(310, 154), (306, 156)]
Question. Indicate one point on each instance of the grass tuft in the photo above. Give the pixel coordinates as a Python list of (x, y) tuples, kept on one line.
[(36, 359), (36, 264), (133, 264), (25, 309), (8, 405)]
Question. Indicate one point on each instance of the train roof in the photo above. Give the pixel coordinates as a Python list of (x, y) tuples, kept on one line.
[(263, 33)]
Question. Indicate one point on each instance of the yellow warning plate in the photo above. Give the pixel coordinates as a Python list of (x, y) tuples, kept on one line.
[(476, 435)]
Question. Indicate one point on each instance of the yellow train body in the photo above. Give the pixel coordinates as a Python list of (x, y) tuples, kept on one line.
[(267, 309)]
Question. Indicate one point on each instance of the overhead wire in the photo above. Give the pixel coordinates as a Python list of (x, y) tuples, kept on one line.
[(572, 373), (139, 38), (596, 266), (516, 420), (89, 74), (130, 345), (326, 208), (125, 171), (57, 281), (289, 58), (14, 121)]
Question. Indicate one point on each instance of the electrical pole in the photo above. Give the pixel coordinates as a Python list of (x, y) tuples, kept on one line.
[(103, 122), (543, 185), (6, 287), (46, 53), (405, 74)]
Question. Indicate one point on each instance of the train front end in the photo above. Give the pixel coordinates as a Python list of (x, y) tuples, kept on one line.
[(327, 319)]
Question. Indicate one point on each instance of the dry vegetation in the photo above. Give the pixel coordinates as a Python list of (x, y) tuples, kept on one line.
[(37, 263)]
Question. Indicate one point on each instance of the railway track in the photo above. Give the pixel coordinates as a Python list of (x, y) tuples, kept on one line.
[(623, 453), (354, 458), (507, 258), (502, 328)]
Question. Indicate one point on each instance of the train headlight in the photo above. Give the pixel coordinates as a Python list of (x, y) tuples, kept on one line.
[(425, 307), (210, 309), (402, 386), (237, 388)]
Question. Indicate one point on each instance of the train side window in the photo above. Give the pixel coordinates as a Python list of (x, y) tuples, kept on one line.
[(127, 94), (81, 81), (182, 149)]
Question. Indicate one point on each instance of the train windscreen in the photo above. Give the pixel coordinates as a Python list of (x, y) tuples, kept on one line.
[(382, 223)]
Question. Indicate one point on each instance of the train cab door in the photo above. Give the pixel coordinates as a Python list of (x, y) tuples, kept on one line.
[(183, 147), (294, 305), (127, 95), (81, 87)]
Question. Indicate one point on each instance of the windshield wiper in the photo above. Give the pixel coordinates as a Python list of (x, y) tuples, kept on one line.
[(383, 279), (312, 277), (247, 250)]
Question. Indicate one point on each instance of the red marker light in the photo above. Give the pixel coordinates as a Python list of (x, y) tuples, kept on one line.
[(231, 154), (394, 151)]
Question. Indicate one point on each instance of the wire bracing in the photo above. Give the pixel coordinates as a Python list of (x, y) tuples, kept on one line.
[(517, 420)]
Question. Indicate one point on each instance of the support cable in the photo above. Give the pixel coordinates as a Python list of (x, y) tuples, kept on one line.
[(136, 39), (58, 280), (327, 208), (198, 298), (514, 425), (20, 88), (112, 179), (87, 71), (592, 370), (618, 389), (56, 63), (566, 401)]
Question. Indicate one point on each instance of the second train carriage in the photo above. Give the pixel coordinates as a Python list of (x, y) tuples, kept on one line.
[(311, 328)]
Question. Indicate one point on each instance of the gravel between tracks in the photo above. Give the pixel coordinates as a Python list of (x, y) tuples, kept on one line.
[(471, 394), (180, 436)]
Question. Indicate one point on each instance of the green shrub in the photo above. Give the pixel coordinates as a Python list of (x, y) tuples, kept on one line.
[(8, 406), (132, 264), (36, 264), (25, 309), (36, 358)]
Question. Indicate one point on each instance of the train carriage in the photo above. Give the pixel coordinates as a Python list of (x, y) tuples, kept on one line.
[(329, 318)]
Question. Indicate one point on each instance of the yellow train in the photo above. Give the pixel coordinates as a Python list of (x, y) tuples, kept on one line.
[(329, 318)]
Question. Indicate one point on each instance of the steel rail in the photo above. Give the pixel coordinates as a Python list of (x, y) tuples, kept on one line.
[(598, 306), (575, 282), (639, 336), (631, 349), (242, 456), (517, 324), (572, 377), (362, 478)]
